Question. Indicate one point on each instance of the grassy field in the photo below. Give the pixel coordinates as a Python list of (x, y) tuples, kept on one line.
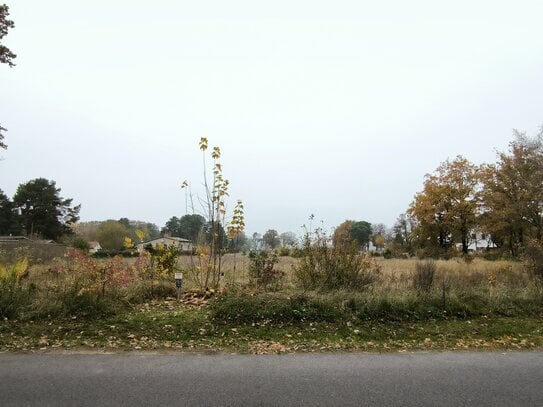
[(478, 304), (396, 273)]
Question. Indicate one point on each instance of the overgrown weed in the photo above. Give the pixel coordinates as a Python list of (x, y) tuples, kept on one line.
[(327, 267)]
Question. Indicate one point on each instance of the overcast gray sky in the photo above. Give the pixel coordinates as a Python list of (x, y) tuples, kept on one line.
[(336, 108)]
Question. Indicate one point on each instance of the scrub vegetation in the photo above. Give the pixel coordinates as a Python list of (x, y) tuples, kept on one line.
[(77, 302)]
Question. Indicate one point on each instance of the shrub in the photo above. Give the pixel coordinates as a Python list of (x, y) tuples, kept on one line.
[(152, 267), (163, 259), (297, 253), (424, 275), (262, 272), (13, 295), (103, 276), (76, 299), (81, 285), (102, 254), (328, 268), (79, 243)]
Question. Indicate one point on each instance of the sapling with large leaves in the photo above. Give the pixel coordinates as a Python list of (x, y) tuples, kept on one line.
[(206, 266)]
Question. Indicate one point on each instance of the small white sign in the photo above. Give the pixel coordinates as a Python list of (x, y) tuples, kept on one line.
[(179, 276)]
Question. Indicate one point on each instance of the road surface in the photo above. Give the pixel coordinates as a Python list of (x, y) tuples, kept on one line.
[(419, 379)]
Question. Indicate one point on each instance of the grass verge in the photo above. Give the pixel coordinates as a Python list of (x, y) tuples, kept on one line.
[(168, 325)]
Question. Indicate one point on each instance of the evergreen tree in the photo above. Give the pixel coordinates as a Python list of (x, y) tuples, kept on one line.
[(43, 212)]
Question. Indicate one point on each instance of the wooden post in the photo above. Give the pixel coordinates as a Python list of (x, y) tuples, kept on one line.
[(178, 284)]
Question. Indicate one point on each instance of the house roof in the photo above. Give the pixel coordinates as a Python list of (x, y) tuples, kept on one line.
[(93, 245), (6, 239), (12, 238), (177, 239)]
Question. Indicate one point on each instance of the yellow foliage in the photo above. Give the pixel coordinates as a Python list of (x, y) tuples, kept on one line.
[(140, 234), (128, 244), (203, 143), (15, 271)]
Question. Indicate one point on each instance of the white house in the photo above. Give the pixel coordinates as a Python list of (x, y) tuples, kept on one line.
[(478, 241), (184, 245), (94, 247)]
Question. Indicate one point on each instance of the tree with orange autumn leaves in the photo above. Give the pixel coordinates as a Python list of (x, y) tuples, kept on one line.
[(446, 209), (512, 194), (504, 200)]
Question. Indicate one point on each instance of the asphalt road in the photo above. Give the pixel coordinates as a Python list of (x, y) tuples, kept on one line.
[(420, 379)]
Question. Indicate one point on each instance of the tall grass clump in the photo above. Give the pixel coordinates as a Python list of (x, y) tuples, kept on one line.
[(327, 267), (14, 296), (424, 276)]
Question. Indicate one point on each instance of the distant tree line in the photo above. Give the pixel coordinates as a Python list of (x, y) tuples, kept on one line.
[(111, 234), (195, 228)]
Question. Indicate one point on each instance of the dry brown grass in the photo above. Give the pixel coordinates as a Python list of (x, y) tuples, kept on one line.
[(493, 280), (236, 268), (35, 252), (397, 274)]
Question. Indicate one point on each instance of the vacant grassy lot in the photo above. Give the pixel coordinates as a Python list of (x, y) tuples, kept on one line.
[(396, 273), (467, 305)]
